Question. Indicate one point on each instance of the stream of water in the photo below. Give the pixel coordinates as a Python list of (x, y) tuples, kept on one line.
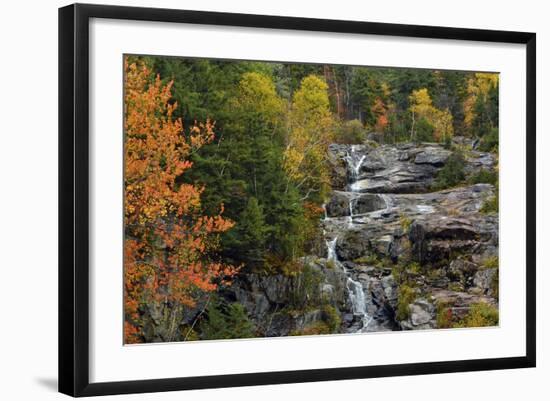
[(355, 290)]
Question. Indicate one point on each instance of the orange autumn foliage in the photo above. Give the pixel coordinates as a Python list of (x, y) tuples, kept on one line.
[(380, 111), (168, 243)]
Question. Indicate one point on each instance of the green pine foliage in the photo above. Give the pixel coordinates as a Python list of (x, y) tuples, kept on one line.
[(484, 176), (424, 131), (226, 321), (250, 235), (489, 142), (452, 173)]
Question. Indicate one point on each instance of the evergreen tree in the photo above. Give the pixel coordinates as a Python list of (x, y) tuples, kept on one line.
[(251, 233), (226, 321)]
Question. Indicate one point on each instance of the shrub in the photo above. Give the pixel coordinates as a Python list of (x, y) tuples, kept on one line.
[(448, 142), (452, 173), (480, 315), (398, 129), (484, 177), (370, 259), (489, 142), (373, 260), (188, 333), (226, 321), (444, 316), (305, 290), (415, 268), (490, 263), (319, 327), (371, 143), (397, 272), (332, 318), (405, 222), (424, 131), (490, 205), (351, 132), (457, 287), (405, 296)]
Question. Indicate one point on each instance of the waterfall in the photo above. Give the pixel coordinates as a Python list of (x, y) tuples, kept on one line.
[(350, 207), (331, 250), (355, 290), (325, 210), (354, 164), (358, 165), (358, 302)]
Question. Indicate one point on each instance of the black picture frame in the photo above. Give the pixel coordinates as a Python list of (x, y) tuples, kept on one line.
[(74, 198)]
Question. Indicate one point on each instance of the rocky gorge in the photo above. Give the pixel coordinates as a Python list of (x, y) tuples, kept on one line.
[(395, 254)]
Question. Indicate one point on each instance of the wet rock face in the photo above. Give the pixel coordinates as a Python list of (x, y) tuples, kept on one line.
[(347, 204), (402, 168), (385, 217), (434, 225), (354, 244), (271, 299), (435, 156)]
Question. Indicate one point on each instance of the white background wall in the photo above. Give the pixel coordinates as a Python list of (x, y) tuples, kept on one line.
[(28, 199)]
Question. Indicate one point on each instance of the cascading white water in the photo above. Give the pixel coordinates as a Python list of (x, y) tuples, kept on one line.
[(358, 302), (331, 250), (355, 289), (354, 164), (325, 210), (358, 165), (350, 207)]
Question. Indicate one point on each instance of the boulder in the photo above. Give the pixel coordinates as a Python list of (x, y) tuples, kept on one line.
[(436, 156), (422, 315), (485, 281), (460, 299), (462, 270), (339, 204), (354, 244), (367, 203)]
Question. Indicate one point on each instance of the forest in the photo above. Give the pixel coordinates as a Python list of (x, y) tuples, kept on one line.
[(257, 195)]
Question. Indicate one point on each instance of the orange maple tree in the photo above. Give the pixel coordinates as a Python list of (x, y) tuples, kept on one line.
[(381, 112), (168, 243)]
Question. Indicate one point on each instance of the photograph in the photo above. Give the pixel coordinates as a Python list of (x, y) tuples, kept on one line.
[(275, 199), (239, 200)]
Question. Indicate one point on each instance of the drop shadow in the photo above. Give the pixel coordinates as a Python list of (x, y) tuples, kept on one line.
[(49, 383)]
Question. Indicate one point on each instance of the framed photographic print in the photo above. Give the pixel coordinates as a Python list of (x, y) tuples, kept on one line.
[(250, 199)]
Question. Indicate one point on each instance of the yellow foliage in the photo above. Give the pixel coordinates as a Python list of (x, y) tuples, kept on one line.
[(257, 92), (478, 86), (311, 131), (421, 107)]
